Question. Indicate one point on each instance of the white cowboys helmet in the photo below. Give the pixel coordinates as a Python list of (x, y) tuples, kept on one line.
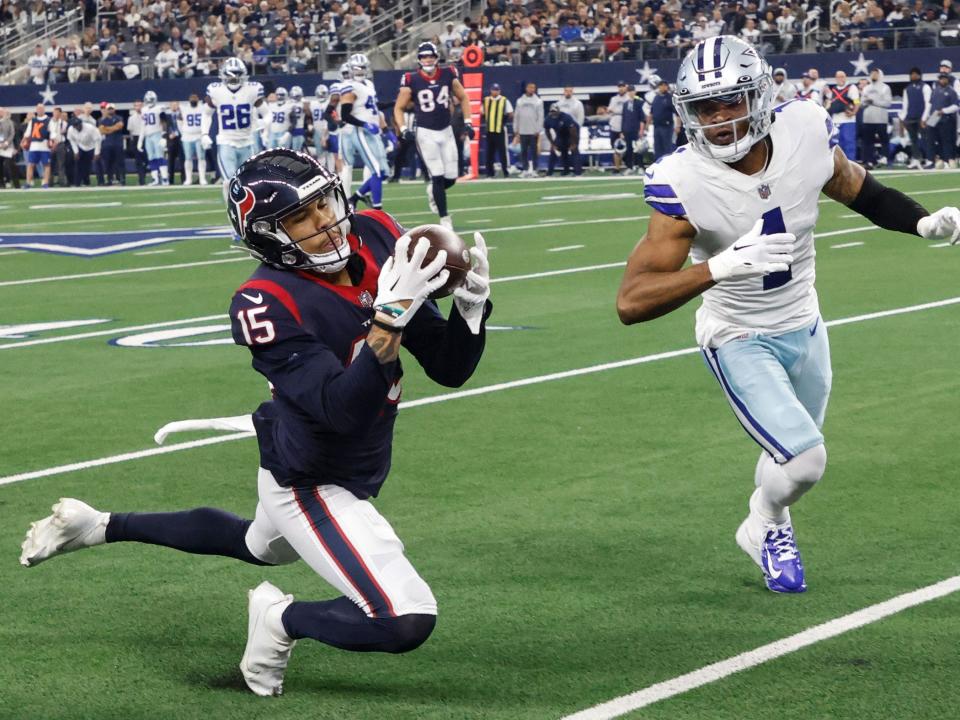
[(359, 66), (150, 98), (296, 93), (344, 72), (281, 94), (233, 73), (724, 69), (321, 93)]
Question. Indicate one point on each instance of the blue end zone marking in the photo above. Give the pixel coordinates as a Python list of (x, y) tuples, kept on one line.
[(94, 244)]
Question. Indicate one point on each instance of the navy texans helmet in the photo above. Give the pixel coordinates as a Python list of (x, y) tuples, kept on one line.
[(272, 185), (428, 57)]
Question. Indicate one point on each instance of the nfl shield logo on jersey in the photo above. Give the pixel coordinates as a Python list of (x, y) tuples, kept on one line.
[(764, 191), (366, 299)]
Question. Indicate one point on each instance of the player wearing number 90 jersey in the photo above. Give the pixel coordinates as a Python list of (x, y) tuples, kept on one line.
[(233, 100), (742, 199)]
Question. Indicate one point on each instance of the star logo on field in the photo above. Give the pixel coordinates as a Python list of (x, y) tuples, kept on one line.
[(861, 65), (646, 72), (47, 94)]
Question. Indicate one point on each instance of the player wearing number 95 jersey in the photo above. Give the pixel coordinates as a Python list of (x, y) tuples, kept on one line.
[(742, 200), (233, 99), (323, 317), (432, 90)]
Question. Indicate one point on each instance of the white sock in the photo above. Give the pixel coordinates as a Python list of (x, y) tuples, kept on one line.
[(188, 174), (780, 486), (155, 174), (165, 174), (202, 170)]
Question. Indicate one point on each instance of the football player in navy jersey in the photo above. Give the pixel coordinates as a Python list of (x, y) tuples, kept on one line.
[(431, 89), (324, 316)]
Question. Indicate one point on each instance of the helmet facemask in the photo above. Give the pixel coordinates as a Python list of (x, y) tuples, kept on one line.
[(291, 252), (758, 93)]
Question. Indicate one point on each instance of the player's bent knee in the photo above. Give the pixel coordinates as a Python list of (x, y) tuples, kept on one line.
[(409, 632), (808, 467)]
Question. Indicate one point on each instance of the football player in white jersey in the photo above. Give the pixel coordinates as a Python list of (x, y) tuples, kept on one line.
[(324, 138), (235, 101), (153, 139), (278, 111), (298, 117), (358, 107), (344, 170), (190, 121), (741, 200)]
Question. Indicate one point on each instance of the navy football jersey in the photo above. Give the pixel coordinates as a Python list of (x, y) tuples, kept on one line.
[(334, 404), (431, 96)]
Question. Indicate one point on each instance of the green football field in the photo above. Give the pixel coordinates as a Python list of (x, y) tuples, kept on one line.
[(573, 508)]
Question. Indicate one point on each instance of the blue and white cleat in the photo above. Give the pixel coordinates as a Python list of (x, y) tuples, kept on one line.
[(776, 555)]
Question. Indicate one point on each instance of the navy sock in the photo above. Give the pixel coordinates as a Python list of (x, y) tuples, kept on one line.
[(202, 531), (440, 195), (342, 624)]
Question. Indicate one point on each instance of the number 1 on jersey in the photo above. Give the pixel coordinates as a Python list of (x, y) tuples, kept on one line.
[(773, 223)]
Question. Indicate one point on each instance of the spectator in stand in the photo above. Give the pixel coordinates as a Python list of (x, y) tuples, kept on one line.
[(449, 35), (613, 43), (942, 122), (38, 64), (841, 101), (680, 39), (301, 57), (769, 33), (527, 126), (278, 56), (948, 12), (8, 150), (751, 33), (784, 90), (455, 52), (786, 26), (186, 60), (928, 30), (497, 51), (167, 62), (715, 25), (877, 30), (111, 146), (875, 102)]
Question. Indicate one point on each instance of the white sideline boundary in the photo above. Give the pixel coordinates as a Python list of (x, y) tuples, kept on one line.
[(431, 400), (765, 653)]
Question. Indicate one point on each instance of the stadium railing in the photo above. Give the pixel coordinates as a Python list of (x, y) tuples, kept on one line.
[(15, 46)]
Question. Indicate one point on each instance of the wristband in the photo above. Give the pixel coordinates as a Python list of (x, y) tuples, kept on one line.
[(386, 326)]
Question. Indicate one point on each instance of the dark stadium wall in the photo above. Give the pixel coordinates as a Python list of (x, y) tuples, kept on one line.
[(597, 77)]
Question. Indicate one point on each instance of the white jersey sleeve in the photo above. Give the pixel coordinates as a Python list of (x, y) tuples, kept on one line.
[(723, 204), (365, 106)]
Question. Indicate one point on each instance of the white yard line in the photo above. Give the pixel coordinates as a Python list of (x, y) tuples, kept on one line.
[(118, 218), (126, 271), (154, 252), (12, 252), (446, 397), (941, 244), (112, 331), (841, 246), (564, 248), (765, 653)]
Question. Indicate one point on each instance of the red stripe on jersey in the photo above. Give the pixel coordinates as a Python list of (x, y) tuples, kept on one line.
[(384, 219), (278, 291)]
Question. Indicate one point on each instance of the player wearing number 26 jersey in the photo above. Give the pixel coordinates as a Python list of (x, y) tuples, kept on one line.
[(234, 100), (741, 199)]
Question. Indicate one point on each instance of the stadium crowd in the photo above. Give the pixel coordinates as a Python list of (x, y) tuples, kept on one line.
[(126, 39)]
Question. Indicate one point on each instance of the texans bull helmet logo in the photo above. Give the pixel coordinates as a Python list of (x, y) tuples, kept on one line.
[(243, 201)]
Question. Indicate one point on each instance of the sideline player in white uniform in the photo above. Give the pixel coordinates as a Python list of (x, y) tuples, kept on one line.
[(358, 107), (298, 117), (432, 90), (190, 121), (278, 111), (344, 170), (324, 136), (235, 101), (153, 138), (741, 200)]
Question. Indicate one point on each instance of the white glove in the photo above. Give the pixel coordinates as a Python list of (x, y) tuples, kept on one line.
[(472, 295), (140, 146), (205, 142), (402, 279), (945, 222), (753, 255)]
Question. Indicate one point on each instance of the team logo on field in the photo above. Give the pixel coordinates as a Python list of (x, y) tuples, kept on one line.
[(764, 191), (97, 243)]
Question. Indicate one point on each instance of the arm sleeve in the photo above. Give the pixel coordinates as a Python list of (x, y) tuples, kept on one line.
[(445, 349), (305, 371), (346, 114), (888, 208)]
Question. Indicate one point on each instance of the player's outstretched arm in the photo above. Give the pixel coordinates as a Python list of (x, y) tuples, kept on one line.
[(655, 281), (887, 207), (400, 106)]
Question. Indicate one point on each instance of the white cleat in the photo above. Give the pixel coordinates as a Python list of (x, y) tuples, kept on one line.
[(268, 645), (447, 222), (74, 525), (430, 201), (750, 547)]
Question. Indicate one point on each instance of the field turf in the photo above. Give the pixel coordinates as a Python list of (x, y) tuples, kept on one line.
[(577, 531)]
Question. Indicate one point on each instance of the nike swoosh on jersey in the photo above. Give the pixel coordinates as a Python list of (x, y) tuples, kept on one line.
[(257, 299)]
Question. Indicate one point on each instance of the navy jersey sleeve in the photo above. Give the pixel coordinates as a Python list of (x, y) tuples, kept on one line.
[(303, 369), (446, 349), (405, 80)]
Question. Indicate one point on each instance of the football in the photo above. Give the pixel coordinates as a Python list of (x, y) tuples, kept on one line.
[(458, 257)]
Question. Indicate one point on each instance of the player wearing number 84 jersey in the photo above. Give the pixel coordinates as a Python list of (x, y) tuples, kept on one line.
[(742, 200)]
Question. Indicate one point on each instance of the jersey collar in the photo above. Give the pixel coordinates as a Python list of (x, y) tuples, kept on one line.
[(366, 289)]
